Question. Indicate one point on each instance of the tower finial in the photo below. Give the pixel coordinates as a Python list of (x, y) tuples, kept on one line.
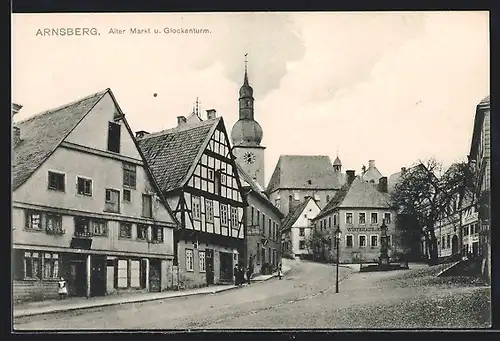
[(197, 108)]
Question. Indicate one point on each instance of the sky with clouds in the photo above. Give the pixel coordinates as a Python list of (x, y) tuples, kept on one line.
[(390, 86)]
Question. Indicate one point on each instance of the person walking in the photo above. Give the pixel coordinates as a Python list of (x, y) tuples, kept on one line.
[(280, 274), (242, 275), (63, 288), (249, 275)]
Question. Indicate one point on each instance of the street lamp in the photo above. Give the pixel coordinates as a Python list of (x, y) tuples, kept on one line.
[(338, 234)]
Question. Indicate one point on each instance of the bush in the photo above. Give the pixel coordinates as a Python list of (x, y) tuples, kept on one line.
[(288, 255), (266, 269)]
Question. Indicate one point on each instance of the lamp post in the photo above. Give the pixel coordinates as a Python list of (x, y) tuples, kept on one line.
[(338, 233)]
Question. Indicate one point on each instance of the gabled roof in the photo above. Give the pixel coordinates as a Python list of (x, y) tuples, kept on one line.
[(372, 173), (481, 109), (252, 186), (172, 154), (41, 135), (292, 217), (359, 194), (303, 172), (193, 118)]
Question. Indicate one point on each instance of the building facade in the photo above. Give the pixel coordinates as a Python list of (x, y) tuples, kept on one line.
[(298, 177), (359, 209), (297, 228), (85, 206), (197, 174), (479, 157)]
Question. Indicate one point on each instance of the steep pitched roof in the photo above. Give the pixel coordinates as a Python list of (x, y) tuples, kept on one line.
[(359, 194), (254, 187), (292, 217), (41, 135), (303, 172), (481, 109), (372, 173), (171, 153)]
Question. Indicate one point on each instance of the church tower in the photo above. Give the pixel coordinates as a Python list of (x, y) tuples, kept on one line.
[(246, 135)]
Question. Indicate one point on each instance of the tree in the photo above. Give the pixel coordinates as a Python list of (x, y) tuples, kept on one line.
[(424, 196), (317, 239)]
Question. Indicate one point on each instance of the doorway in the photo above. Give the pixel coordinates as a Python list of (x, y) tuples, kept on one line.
[(454, 245), (154, 275), (226, 266), (77, 281), (98, 275), (209, 266)]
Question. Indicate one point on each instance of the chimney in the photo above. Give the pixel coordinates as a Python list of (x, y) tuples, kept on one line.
[(16, 108), (371, 163), (140, 134), (16, 135), (403, 170), (181, 120), (382, 184), (211, 114), (350, 176), (363, 169)]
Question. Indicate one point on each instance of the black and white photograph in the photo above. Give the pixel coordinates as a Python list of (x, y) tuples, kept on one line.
[(250, 171)]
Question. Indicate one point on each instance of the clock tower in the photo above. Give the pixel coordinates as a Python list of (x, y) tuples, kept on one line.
[(246, 135)]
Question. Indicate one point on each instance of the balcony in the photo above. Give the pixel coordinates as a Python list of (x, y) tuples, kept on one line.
[(55, 232)]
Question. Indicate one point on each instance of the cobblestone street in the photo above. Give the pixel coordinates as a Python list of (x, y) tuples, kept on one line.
[(304, 298)]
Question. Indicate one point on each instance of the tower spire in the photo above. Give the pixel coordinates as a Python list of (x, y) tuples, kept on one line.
[(245, 81), (197, 106)]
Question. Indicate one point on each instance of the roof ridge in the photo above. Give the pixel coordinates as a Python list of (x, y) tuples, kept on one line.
[(63, 106), (181, 128)]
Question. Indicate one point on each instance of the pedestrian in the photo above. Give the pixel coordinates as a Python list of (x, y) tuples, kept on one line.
[(249, 275), (236, 275), (279, 271), (63, 288), (242, 275)]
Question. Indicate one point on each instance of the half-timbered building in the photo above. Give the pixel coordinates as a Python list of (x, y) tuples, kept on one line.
[(85, 206), (197, 174)]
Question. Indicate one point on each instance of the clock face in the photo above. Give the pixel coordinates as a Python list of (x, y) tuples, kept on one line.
[(249, 157)]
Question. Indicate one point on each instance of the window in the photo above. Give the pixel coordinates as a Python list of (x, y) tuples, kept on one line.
[(196, 207), (129, 175), (374, 218), (269, 227), (201, 256), (223, 215), (112, 202), (114, 130), (157, 234), (258, 217), (84, 186), (82, 227), (217, 181), (329, 221), (142, 232), (54, 224), (348, 218), (387, 218), (125, 230), (209, 211), (210, 174), (234, 217), (448, 241), (443, 242), (33, 220), (122, 273), (51, 266), (349, 241), (32, 265), (302, 232), (362, 218), (252, 215), (56, 181), (374, 241), (189, 260), (135, 274), (127, 196), (334, 220), (362, 241), (147, 206), (99, 228), (302, 244), (321, 224)]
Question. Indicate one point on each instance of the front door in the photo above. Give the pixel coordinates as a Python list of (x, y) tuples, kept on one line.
[(98, 275), (454, 245), (154, 275), (226, 266), (77, 282), (209, 266)]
